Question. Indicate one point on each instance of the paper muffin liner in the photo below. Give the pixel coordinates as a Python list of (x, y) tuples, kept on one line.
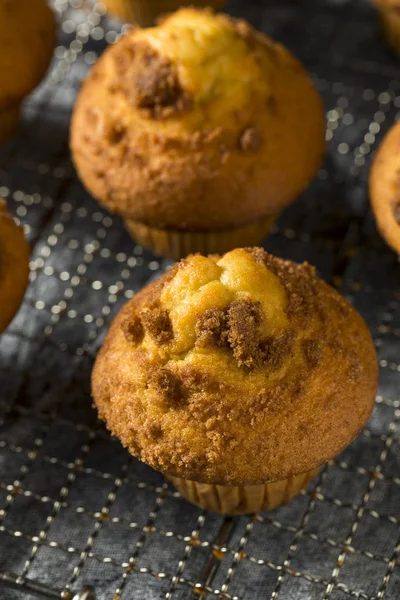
[(390, 19), (178, 244), (242, 500), (9, 119), (146, 12)]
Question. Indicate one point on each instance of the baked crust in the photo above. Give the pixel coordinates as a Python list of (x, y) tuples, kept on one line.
[(200, 132), (265, 371), (28, 35), (14, 266), (384, 187)]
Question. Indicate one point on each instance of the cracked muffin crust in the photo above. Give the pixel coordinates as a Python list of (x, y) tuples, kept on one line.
[(27, 40), (236, 370), (14, 269), (198, 124), (384, 187)]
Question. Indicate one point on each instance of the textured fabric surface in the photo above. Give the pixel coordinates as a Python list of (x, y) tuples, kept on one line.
[(75, 509)]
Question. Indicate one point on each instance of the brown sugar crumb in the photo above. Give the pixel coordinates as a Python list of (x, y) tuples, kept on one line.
[(211, 328), (396, 212), (354, 372), (133, 329), (272, 104), (116, 134), (299, 281), (155, 432), (155, 83), (266, 401), (312, 351), (195, 381), (158, 324), (244, 317), (275, 351), (250, 139), (170, 388), (236, 328), (260, 255)]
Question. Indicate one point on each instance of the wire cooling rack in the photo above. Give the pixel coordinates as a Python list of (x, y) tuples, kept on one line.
[(75, 509)]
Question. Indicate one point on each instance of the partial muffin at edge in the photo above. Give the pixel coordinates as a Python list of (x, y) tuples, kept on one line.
[(14, 266), (27, 40), (384, 187)]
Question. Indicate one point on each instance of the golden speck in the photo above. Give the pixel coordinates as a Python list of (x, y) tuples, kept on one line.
[(194, 541), (200, 591)]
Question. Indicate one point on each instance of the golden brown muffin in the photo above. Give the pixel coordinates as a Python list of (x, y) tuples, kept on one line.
[(14, 266), (384, 187), (198, 131), (27, 39), (236, 377), (389, 13), (146, 12)]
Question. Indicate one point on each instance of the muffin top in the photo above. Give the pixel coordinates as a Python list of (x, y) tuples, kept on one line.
[(27, 39), (384, 185), (198, 123), (14, 256), (236, 370)]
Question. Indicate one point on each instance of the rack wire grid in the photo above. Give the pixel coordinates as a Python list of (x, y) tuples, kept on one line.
[(75, 509)]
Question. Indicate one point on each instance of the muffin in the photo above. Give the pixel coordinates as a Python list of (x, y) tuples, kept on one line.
[(14, 266), (146, 12), (27, 39), (384, 187), (237, 377), (389, 13), (192, 156)]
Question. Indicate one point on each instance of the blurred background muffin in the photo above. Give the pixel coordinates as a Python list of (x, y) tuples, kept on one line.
[(236, 377), (27, 40), (384, 186), (198, 132), (14, 266), (146, 12), (389, 13)]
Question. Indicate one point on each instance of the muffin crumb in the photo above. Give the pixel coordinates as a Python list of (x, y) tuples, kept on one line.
[(300, 282), (354, 372), (275, 351), (156, 84), (155, 432), (116, 133), (250, 139), (244, 317), (157, 323), (235, 327), (170, 388), (312, 351), (211, 328), (133, 329)]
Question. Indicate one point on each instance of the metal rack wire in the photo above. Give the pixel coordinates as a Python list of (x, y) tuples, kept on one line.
[(75, 509)]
